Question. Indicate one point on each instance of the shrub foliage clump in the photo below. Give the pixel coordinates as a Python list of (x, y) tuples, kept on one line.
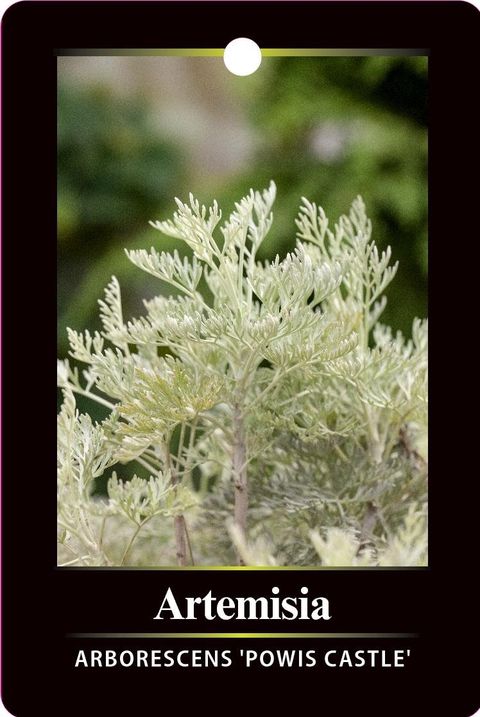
[(277, 420)]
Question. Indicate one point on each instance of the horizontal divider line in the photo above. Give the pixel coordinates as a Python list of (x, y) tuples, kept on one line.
[(243, 568), (218, 52), (244, 635)]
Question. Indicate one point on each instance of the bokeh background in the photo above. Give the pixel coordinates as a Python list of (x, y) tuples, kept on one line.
[(134, 132)]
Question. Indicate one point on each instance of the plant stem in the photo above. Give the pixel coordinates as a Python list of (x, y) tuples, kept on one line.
[(375, 443), (368, 524), (102, 530), (130, 543), (179, 526), (180, 539), (190, 551), (180, 443), (152, 469), (93, 396), (187, 466), (82, 538), (239, 465)]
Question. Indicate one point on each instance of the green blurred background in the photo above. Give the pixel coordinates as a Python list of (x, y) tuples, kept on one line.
[(135, 132)]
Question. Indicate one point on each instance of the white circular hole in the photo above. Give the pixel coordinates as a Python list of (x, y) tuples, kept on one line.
[(242, 56)]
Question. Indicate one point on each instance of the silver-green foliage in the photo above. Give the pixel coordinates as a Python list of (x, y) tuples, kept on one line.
[(276, 416)]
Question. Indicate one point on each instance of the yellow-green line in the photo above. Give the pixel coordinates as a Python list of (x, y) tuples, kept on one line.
[(247, 568), (244, 635), (218, 52)]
